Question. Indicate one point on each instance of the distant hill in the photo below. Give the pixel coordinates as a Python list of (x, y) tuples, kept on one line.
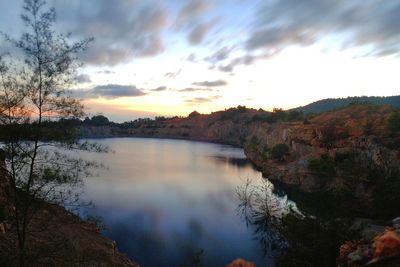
[(334, 103)]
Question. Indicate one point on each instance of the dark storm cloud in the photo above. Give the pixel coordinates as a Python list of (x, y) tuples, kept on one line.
[(109, 91), (211, 83), (199, 100), (83, 78), (122, 29), (358, 22)]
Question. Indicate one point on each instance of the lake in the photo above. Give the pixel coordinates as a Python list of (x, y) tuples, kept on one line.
[(174, 202)]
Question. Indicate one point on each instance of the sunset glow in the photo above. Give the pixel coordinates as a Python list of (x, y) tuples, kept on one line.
[(172, 57)]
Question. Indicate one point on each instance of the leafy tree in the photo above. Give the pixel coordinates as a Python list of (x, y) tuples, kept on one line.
[(394, 121), (279, 151), (324, 166), (99, 120), (194, 114), (34, 92)]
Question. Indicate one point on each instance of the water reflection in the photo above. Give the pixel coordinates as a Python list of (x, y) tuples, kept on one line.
[(165, 201), (238, 162), (262, 210)]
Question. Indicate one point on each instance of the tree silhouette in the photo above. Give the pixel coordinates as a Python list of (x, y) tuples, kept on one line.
[(34, 91)]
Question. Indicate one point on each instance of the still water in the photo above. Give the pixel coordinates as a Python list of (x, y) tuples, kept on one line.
[(172, 202)]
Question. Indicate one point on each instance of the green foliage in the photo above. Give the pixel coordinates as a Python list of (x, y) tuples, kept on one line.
[(323, 166), (232, 113), (328, 204), (313, 242), (336, 103), (278, 115), (386, 197), (194, 114), (254, 140), (394, 121), (254, 143), (160, 118), (98, 120), (265, 153), (279, 151)]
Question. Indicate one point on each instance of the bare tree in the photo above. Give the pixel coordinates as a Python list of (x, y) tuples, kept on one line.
[(262, 210), (33, 93)]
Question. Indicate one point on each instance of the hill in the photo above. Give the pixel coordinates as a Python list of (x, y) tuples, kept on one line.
[(335, 103)]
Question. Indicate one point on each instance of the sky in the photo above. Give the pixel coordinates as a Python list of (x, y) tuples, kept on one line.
[(153, 57)]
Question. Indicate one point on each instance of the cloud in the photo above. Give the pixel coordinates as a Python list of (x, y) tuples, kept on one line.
[(199, 32), (159, 89), (83, 78), (192, 58), (193, 8), (211, 83), (226, 68), (109, 91), (191, 20), (191, 89), (199, 100), (243, 60), (220, 55), (105, 72), (247, 59), (353, 23), (171, 75), (122, 29)]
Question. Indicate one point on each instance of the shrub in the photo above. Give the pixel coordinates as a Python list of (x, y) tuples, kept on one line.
[(279, 151), (394, 121), (265, 153), (324, 166), (194, 114), (314, 242), (254, 142)]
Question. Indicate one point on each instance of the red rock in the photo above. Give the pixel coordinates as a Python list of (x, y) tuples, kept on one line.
[(387, 244), (241, 263)]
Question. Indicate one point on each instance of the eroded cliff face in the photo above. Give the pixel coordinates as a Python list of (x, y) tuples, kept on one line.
[(336, 136)]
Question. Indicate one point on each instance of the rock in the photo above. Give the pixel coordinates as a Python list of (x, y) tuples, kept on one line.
[(354, 257), (241, 263), (347, 248), (388, 244), (396, 223)]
